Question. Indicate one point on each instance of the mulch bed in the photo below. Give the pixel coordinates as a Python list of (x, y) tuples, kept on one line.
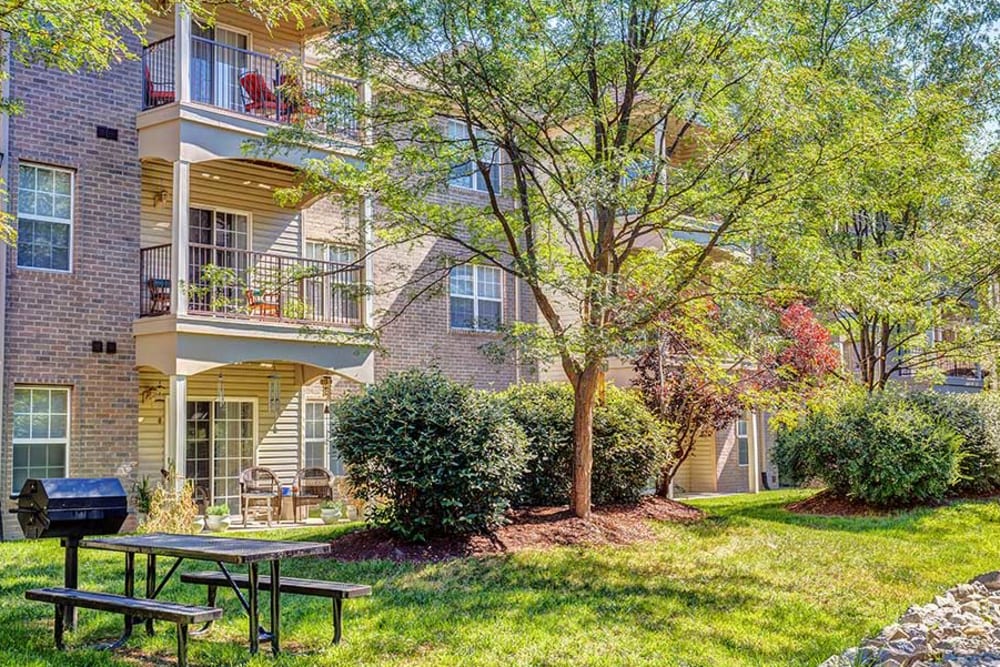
[(828, 503), (534, 528)]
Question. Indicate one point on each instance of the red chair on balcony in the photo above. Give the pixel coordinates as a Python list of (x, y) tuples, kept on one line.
[(263, 304), (258, 98), (155, 94)]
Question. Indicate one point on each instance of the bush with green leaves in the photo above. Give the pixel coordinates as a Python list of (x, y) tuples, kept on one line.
[(429, 456), (883, 449), (630, 445), (976, 417)]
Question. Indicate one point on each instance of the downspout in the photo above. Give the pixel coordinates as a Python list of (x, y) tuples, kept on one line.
[(755, 458), (5, 207)]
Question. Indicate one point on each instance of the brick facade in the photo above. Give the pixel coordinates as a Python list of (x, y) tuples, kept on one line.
[(53, 317)]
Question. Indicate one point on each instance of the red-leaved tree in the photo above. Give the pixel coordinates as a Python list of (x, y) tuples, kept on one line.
[(700, 379)]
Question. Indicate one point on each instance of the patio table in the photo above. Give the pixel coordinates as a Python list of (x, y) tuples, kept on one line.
[(221, 551)]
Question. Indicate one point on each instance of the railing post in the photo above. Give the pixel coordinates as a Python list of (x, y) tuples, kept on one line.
[(277, 91), (182, 53)]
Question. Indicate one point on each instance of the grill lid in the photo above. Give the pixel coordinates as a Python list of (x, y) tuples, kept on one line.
[(58, 493)]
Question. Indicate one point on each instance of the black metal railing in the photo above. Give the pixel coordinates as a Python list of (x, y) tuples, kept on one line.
[(158, 73), (950, 369), (256, 85), (242, 284)]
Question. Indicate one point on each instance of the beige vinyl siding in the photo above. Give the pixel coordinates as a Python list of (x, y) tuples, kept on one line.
[(281, 40), (277, 436), (701, 466), (230, 185)]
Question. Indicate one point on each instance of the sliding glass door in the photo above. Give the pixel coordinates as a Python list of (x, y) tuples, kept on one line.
[(220, 445)]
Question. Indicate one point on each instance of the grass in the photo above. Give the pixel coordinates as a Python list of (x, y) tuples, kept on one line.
[(752, 585)]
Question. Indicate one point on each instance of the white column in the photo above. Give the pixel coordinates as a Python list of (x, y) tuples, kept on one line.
[(754, 454), (182, 53), (177, 425), (179, 237), (368, 218)]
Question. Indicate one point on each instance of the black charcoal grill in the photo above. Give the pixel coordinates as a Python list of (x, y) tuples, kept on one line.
[(71, 508)]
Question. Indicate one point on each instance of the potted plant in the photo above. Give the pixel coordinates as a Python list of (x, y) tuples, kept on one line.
[(330, 511), (217, 517), (143, 492)]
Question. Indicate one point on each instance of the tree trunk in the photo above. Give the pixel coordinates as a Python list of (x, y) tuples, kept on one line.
[(584, 398)]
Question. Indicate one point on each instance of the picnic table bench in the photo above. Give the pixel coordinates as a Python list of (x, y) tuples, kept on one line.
[(180, 614), (334, 590)]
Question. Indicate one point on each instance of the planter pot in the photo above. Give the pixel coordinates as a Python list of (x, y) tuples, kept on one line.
[(217, 523), (329, 515), (198, 524)]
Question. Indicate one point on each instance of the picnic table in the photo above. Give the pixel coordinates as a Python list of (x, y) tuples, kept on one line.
[(222, 551)]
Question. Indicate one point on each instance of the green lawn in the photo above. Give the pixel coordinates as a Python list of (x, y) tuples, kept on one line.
[(752, 585)]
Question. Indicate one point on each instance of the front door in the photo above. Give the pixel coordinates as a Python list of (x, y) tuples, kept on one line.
[(220, 445)]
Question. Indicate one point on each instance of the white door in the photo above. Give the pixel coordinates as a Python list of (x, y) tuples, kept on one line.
[(231, 61)]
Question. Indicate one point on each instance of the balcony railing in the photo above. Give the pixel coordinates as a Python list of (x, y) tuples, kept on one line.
[(254, 84), (952, 369), (242, 284)]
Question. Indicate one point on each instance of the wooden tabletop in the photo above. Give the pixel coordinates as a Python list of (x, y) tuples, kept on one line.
[(204, 547)]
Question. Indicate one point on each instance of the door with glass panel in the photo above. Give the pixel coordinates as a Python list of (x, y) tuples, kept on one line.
[(220, 240), (219, 56), (220, 444)]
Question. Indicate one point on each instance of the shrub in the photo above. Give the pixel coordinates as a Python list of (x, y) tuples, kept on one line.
[(429, 456), (630, 445), (976, 417), (171, 510), (882, 449)]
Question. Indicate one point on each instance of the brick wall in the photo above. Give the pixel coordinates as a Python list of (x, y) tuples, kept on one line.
[(53, 317)]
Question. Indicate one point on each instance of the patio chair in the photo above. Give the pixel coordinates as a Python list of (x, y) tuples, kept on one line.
[(258, 98), (259, 303), (156, 96), (311, 487), (159, 295), (260, 492)]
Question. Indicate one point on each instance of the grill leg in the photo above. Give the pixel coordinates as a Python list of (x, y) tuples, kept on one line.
[(71, 568), (338, 619), (182, 645)]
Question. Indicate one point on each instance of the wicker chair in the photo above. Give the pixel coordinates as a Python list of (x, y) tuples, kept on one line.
[(260, 492), (311, 487)]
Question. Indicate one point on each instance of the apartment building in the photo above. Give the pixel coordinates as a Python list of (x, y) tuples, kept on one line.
[(160, 308)]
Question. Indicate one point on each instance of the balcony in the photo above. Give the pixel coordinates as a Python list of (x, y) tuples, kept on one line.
[(236, 284), (230, 95)]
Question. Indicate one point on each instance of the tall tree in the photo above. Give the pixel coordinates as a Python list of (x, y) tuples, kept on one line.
[(635, 138), (892, 244)]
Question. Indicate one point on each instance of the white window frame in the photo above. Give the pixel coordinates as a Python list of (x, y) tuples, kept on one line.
[(232, 211), (65, 441), (43, 218), (474, 180), (337, 280), (743, 438), (475, 297), (306, 440)]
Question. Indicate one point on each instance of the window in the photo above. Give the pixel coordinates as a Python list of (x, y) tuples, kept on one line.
[(467, 174), (742, 443), (41, 433), (319, 450), (44, 217), (476, 297), (333, 296)]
